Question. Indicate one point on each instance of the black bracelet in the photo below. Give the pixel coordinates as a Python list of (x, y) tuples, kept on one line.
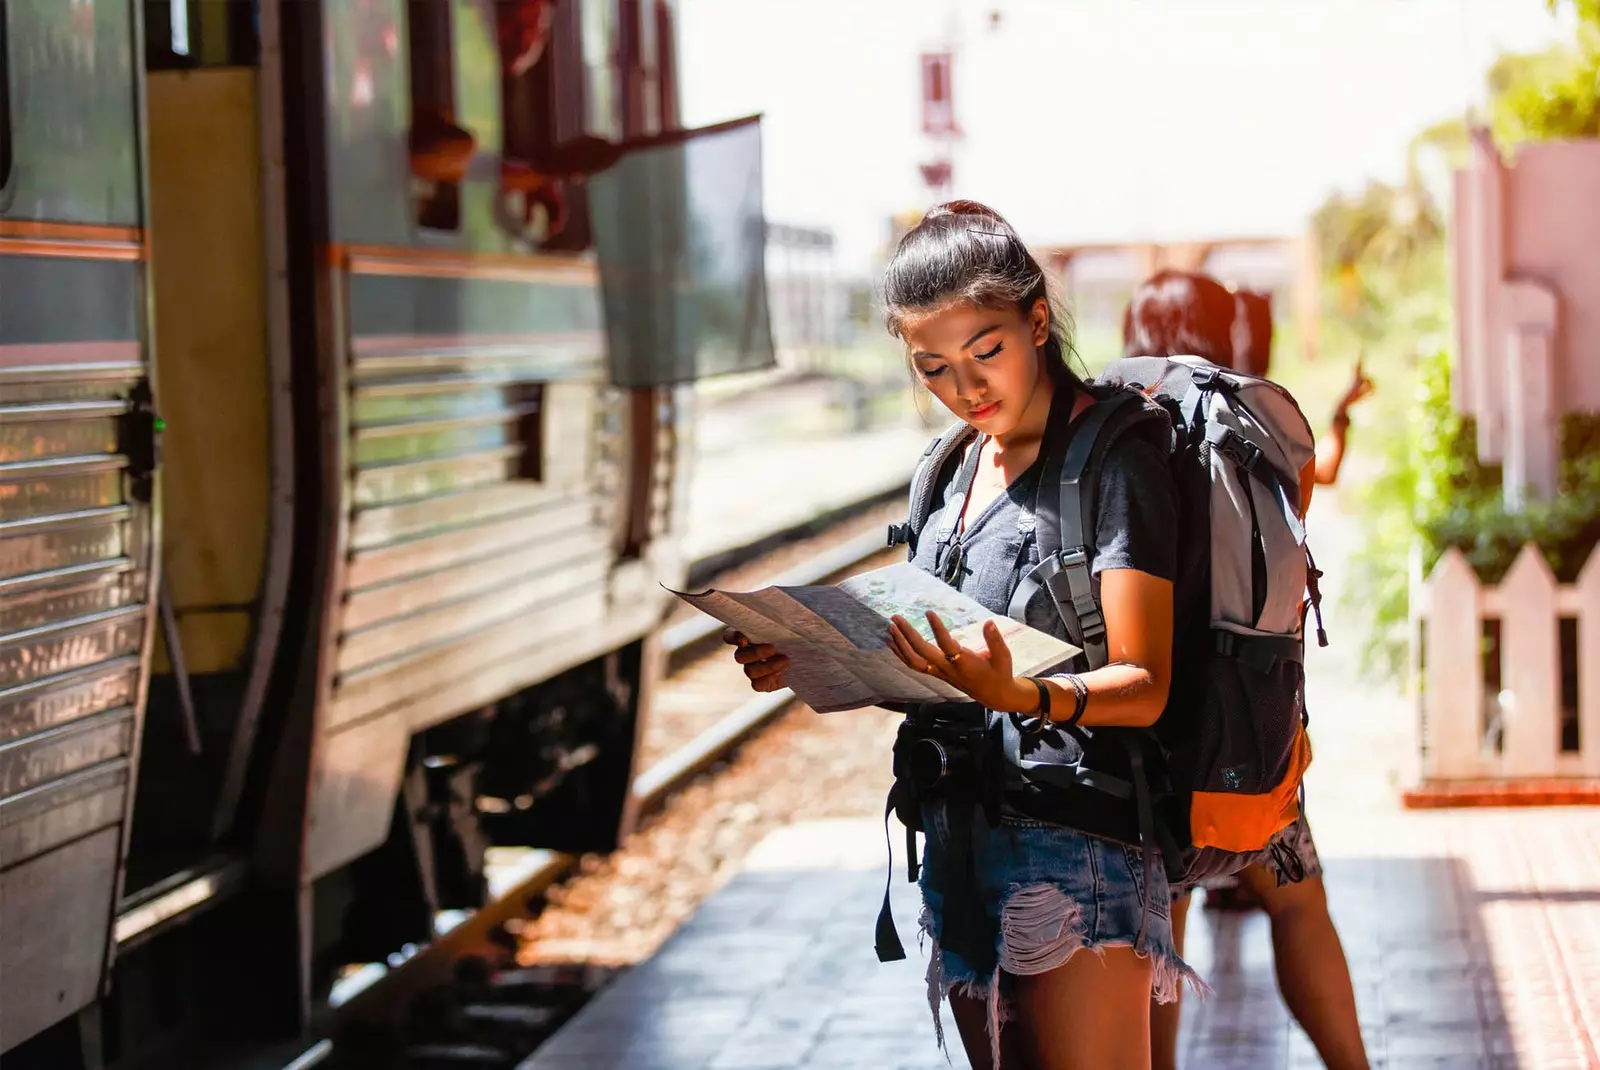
[(1082, 699), (1043, 712)]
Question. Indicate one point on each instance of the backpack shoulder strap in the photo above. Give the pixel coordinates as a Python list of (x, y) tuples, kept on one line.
[(925, 480), (1064, 510)]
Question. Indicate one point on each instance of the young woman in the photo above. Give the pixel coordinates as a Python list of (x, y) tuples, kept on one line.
[(1185, 314), (1040, 915)]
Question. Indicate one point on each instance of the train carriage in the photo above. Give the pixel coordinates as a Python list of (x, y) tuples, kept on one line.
[(343, 401)]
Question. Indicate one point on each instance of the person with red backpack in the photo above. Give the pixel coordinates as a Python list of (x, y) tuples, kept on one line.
[(1180, 313), (1045, 888)]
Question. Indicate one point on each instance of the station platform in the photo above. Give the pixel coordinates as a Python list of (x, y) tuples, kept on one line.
[(1473, 936), (1471, 939)]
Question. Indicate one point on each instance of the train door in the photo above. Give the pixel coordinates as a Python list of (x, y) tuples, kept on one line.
[(208, 270), (77, 520)]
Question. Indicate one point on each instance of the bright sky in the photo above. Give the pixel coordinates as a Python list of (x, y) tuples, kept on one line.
[(1092, 119)]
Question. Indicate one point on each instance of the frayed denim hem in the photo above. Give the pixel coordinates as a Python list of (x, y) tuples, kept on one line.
[(1041, 928)]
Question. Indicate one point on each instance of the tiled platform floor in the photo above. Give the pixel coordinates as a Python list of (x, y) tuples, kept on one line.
[(1473, 939)]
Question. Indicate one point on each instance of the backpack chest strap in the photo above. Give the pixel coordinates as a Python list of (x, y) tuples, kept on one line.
[(1065, 575)]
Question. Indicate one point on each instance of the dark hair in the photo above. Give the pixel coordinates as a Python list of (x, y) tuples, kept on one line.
[(1180, 313), (1252, 331), (964, 252)]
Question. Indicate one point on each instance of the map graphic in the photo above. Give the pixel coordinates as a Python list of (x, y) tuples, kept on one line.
[(837, 637)]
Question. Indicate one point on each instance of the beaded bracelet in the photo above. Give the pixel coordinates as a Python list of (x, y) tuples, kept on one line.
[(1082, 699)]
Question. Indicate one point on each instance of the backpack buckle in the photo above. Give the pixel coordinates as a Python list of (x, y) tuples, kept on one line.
[(899, 534), (1210, 377), (1073, 558), (1240, 450), (1252, 455)]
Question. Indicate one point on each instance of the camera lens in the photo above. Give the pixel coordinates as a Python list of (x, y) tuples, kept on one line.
[(929, 763)]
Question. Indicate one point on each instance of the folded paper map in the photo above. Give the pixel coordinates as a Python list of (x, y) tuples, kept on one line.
[(837, 638)]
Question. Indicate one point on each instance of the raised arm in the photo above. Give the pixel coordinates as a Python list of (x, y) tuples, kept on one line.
[(1330, 450)]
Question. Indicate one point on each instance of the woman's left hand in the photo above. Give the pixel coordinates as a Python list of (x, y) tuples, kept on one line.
[(985, 675)]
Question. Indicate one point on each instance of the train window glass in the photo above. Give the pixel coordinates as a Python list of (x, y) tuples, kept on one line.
[(440, 147), (646, 36), (187, 34), (603, 114), (544, 86), (478, 70)]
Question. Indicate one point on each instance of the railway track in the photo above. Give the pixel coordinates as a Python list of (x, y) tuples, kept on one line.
[(462, 1002)]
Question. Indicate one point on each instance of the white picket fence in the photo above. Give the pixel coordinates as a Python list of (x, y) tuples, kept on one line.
[(1448, 610)]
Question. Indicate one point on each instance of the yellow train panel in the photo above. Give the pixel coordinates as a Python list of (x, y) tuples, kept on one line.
[(210, 324)]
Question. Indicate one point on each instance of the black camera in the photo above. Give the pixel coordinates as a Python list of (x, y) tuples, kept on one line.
[(952, 761), (931, 762)]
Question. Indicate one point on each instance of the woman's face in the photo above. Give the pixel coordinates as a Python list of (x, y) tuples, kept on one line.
[(982, 364)]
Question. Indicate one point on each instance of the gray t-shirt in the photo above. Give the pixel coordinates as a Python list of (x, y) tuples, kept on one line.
[(1136, 527)]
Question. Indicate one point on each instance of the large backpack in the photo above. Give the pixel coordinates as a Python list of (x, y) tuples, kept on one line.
[(1231, 744)]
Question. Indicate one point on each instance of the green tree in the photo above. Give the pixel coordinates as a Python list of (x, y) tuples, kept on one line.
[(1550, 95), (1588, 10)]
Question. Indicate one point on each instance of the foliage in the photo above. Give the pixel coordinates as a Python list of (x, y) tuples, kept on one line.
[(1432, 493), (1381, 249), (1384, 226), (1566, 528), (1551, 95), (1588, 10)]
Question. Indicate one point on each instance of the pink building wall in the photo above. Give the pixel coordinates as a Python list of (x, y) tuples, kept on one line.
[(1526, 289)]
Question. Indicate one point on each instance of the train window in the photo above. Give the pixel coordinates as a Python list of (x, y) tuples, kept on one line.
[(648, 64), (186, 34), (544, 89), (577, 76), (440, 147)]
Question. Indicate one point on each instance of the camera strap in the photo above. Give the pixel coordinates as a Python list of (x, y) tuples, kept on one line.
[(886, 941)]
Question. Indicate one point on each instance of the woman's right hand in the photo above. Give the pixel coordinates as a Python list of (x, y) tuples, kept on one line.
[(762, 662)]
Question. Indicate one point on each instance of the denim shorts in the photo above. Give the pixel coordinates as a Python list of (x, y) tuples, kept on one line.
[(1050, 893)]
